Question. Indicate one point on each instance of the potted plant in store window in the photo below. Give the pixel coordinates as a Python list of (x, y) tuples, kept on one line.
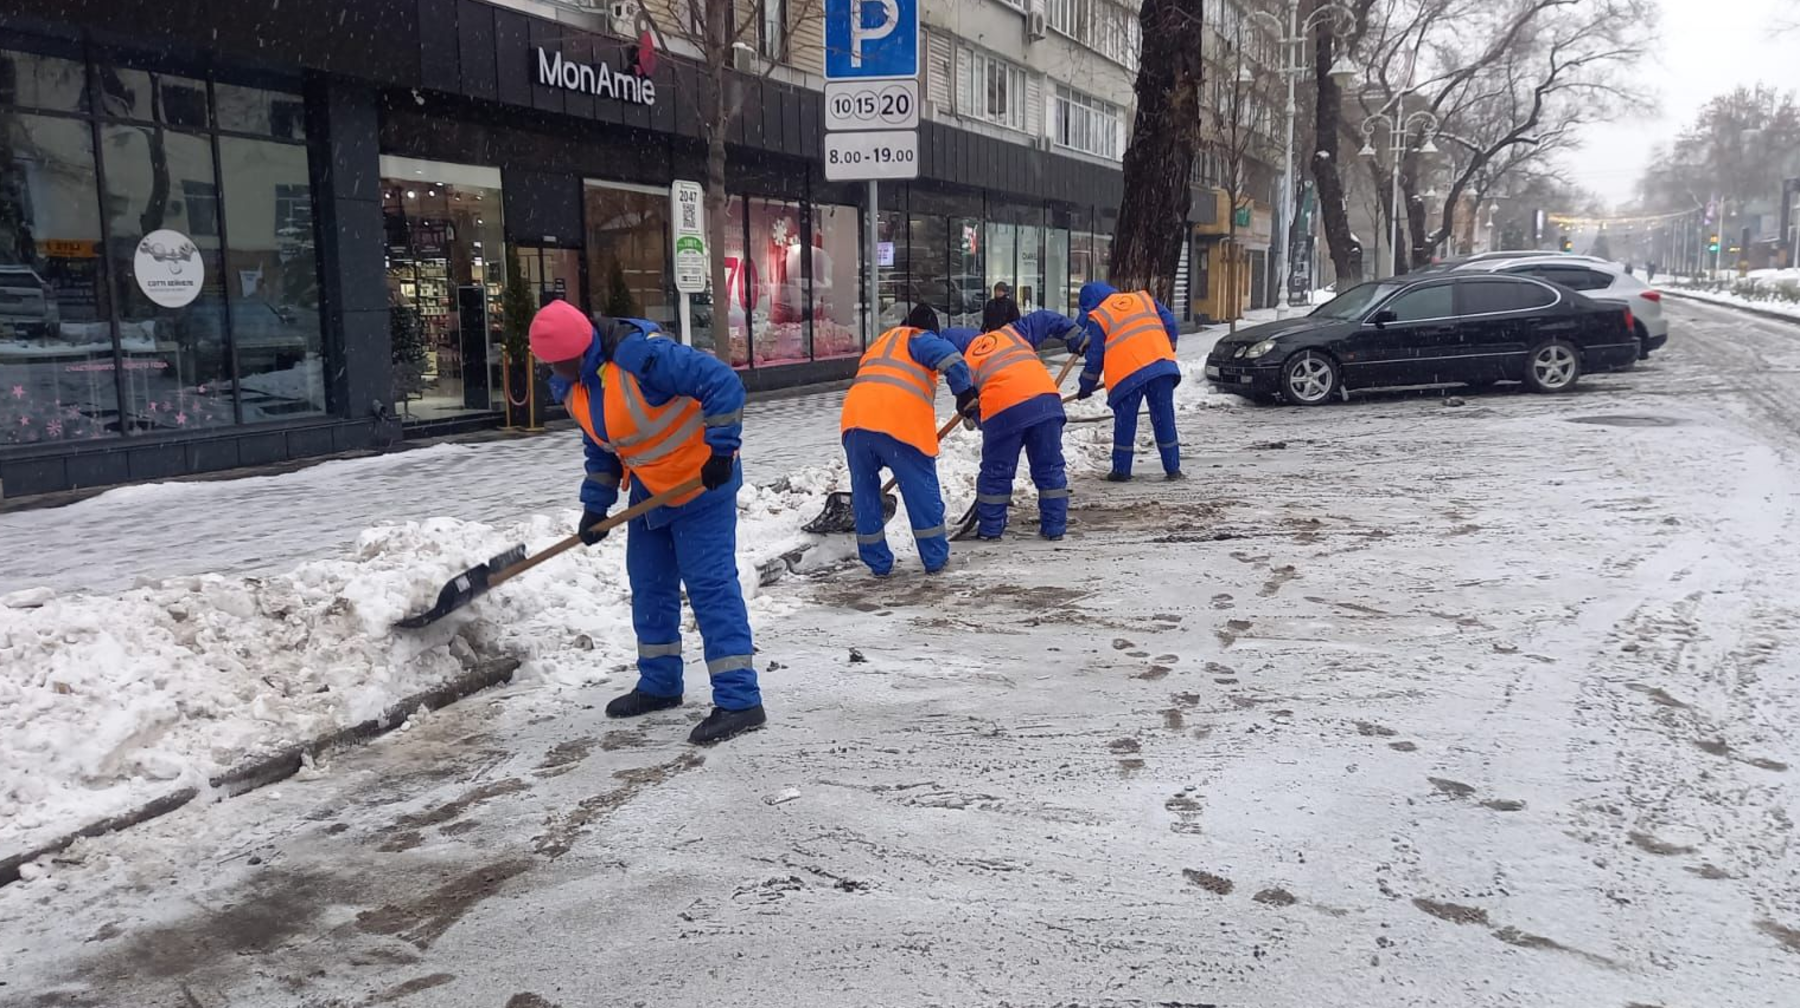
[(516, 371)]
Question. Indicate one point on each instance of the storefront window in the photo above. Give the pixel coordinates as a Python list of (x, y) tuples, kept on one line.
[(928, 244), (1102, 256), (1056, 271), (836, 282), (264, 113), (968, 278), (777, 278), (738, 283), (1031, 267), (1081, 265), (1002, 258), (57, 379), (272, 277), (892, 265), (628, 255), (446, 262), (163, 207), (176, 299)]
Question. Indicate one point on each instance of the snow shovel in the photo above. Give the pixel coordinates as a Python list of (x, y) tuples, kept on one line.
[(840, 514), (465, 587)]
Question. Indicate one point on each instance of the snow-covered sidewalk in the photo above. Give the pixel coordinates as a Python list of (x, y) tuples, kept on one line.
[(111, 700), (1391, 703), (1774, 291)]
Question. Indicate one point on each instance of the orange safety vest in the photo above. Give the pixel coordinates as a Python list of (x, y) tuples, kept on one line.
[(1135, 337), (893, 394), (1006, 370), (663, 446)]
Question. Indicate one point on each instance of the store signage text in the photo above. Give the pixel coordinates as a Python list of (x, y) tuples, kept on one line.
[(168, 268), (594, 79)]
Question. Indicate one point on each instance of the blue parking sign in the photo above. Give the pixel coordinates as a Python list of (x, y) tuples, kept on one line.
[(871, 38)]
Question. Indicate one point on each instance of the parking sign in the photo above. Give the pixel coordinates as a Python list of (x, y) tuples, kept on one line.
[(871, 38)]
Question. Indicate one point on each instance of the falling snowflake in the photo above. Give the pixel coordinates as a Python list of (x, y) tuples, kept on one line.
[(18, 391)]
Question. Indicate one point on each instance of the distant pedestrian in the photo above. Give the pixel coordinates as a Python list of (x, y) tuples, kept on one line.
[(1000, 309), (1129, 340), (1627, 269), (1650, 272)]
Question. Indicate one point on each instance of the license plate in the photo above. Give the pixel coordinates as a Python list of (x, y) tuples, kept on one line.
[(1212, 371)]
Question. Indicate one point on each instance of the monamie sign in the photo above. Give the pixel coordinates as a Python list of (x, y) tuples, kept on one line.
[(594, 79)]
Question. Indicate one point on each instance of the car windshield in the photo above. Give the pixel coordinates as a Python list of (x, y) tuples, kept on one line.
[(1354, 302)]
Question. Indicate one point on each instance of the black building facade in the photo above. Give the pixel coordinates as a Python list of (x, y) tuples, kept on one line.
[(233, 237)]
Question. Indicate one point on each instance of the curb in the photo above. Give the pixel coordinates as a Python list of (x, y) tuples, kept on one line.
[(1762, 312), (269, 768)]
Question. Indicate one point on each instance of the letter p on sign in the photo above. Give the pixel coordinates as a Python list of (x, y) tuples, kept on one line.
[(871, 39)]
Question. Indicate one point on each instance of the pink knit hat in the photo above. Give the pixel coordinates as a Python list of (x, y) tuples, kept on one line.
[(560, 332)]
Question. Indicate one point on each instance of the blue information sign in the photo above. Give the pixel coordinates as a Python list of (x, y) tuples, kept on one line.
[(871, 38)]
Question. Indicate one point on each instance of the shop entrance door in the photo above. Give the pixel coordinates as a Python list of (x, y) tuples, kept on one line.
[(552, 273)]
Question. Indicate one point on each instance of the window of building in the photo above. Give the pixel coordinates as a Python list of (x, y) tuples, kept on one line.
[(627, 231), (771, 29), (968, 290), (182, 294), (1003, 258), (928, 248), (990, 89), (1073, 18), (893, 269), (836, 282), (1086, 124), (446, 269), (1031, 268), (776, 262), (1056, 271), (1081, 266)]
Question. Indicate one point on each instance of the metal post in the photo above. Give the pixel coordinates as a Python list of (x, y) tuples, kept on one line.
[(1294, 49), (873, 311), (1399, 145)]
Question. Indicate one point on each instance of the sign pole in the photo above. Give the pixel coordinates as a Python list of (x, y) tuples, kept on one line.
[(874, 256), (687, 320)]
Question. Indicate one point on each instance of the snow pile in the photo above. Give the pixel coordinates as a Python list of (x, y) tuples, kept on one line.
[(1770, 290), (110, 701)]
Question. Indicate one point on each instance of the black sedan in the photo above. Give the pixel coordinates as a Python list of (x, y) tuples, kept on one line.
[(1430, 330)]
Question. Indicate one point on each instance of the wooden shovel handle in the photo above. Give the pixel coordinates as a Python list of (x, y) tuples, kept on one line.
[(611, 522), (956, 418)]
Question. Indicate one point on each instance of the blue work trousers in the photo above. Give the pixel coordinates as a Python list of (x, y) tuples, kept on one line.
[(697, 549), (1161, 394), (870, 452), (1042, 444)]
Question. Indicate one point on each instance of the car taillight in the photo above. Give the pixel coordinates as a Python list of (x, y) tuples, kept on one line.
[(1655, 296), (1630, 323)]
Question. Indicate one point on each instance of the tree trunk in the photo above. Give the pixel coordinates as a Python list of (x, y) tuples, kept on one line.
[(1346, 251), (1159, 162)]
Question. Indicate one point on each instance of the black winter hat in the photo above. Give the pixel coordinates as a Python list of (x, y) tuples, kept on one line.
[(922, 317)]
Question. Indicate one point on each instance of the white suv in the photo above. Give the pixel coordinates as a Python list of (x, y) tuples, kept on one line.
[(1599, 280)]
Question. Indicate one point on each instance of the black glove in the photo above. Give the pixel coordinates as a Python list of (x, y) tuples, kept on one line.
[(589, 534), (968, 402), (717, 471)]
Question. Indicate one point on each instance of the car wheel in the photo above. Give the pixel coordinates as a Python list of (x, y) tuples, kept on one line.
[(1553, 367), (1643, 338), (1309, 379)]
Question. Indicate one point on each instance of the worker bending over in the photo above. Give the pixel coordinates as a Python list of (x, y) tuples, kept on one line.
[(1021, 409), (889, 422), (1129, 340)]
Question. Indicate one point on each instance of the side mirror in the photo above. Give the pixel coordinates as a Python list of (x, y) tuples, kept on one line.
[(1383, 317)]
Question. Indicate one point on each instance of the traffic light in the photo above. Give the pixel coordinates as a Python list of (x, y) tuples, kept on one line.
[(1567, 245), (1712, 244)]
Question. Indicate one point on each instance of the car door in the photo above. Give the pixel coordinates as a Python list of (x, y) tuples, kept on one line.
[(1500, 316), (1409, 348)]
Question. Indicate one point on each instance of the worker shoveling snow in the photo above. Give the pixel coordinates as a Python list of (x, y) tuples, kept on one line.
[(107, 702)]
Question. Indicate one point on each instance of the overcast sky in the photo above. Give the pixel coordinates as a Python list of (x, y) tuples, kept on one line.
[(1707, 47)]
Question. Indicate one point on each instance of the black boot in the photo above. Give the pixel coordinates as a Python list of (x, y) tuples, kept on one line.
[(1118, 477), (1176, 475), (634, 703), (722, 724), (1053, 538)]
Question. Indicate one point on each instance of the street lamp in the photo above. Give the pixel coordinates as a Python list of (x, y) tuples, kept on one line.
[(1399, 132), (1291, 39)]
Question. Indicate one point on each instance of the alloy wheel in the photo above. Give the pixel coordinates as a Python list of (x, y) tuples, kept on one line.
[(1554, 367), (1310, 379)]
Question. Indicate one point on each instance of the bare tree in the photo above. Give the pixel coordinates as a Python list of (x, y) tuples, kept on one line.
[(1239, 133), (1159, 162), (1328, 131), (716, 32), (1498, 77)]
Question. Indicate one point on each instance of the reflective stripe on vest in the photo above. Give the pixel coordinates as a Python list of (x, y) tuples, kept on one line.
[(663, 446), (1007, 371), (1135, 337), (892, 394)]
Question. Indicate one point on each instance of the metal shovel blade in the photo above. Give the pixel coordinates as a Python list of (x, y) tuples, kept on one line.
[(965, 526), (463, 588), (840, 513)]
